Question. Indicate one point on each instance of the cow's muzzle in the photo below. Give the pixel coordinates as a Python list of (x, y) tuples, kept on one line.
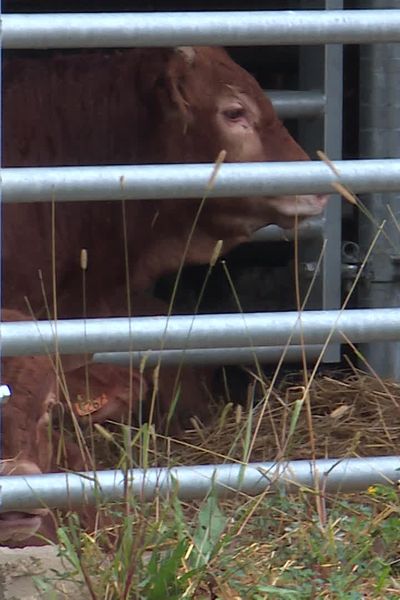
[(288, 209), (18, 525)]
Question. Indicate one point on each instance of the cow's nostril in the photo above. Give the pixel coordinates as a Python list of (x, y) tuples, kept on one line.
[(16, 526), (15, 515)]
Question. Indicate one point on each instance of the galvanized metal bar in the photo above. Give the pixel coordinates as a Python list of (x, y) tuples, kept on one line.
[(233, 28), (190, 181), (212, 356), (294, 104), (60, 490), (202, 331)]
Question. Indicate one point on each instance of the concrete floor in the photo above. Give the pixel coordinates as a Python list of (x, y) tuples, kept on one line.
[(19, 565)]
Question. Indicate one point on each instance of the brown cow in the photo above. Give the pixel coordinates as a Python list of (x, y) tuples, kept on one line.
[(31, 441), (132, 106)]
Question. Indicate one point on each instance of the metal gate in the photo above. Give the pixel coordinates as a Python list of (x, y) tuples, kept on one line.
[(236, 336)]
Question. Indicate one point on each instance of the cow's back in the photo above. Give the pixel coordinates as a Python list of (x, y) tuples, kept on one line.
[(67, 109), (73, 108)]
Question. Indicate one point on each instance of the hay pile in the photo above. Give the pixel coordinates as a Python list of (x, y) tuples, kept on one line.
[(344, 414), (352, 414)]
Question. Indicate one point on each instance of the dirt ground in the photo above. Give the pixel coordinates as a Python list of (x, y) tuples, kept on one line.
[(19, 566)]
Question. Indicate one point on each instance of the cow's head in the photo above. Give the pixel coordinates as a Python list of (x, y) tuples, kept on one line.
[(30, 442), (25, 448), (199, 102), (208, 103), (101, 392)]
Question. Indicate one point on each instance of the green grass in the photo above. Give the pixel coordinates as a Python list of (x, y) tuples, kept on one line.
[(275, 546)]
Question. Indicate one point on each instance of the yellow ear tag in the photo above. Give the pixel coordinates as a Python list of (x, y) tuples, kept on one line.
[(85, 406)]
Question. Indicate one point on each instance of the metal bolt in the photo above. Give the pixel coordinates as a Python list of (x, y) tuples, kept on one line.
[(308, 269)]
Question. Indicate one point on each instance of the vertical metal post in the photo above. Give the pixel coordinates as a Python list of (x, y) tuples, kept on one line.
[(322, 68), (380, 138)]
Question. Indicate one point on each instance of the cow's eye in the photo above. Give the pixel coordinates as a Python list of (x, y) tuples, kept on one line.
[(234, 114)]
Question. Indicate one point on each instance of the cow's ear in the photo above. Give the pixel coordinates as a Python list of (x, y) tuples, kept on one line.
[(187, 52), (178, 94), (178, 97)]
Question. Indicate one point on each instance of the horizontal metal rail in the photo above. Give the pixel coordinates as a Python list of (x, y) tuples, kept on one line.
[(202, 331), (59, 490), (294, 104), (212, 356), (143, 182), (88, 30)]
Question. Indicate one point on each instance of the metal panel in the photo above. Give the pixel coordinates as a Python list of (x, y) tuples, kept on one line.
[(380, 137), (223, 28), (190, 181), (196, 482)]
